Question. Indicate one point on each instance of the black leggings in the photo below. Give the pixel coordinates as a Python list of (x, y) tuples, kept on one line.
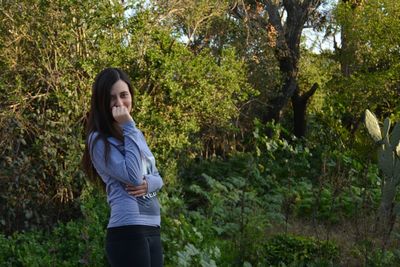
[(134, 245)]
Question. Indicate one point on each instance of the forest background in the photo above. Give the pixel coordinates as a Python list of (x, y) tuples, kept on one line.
[(259, 137)]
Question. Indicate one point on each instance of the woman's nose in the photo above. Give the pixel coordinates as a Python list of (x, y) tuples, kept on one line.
[(118, 102)]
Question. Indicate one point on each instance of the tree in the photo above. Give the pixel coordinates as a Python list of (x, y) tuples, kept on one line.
[(197, 23), (369, 79), (256, 29), (346, 51), (369, 60), (283, 22), (49, 55)]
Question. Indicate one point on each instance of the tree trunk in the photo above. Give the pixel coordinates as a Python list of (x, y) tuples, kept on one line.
[(347, 50), (279, 102), (287, 52), (299, 103)]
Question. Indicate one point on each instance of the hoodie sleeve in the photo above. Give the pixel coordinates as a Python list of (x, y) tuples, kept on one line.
[(125, 168), (154, 182)]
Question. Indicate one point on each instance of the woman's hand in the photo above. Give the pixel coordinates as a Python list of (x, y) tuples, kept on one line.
[(121, 114), (137, 191)]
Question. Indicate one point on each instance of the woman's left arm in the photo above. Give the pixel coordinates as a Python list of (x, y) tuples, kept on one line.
[(154, 182)]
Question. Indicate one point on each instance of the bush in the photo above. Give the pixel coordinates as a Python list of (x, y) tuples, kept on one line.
[(235, 200), (289, 250), (75, 243)]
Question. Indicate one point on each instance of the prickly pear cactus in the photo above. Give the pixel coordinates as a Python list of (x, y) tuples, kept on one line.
[(372, 125), (388, 162)]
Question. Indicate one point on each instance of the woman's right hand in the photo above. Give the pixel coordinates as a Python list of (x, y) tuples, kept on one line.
[(137, 191), (121, 114)]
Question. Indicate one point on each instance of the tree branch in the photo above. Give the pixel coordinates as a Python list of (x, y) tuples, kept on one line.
[(310, 92)]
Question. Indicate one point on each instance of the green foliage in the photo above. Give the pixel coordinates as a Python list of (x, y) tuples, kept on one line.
[(243, 195), (229, 197), (222, 215), (196, 103), (327, 185), (187, 245), (81, 242), (288, 250), (368, 58), (320, 69), (75, 243), (364, 250), (43, 88), (347, 186), (186, 239), (184, 101), (189, 100)]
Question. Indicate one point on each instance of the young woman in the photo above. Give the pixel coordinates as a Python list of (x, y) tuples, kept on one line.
[(117, 152)]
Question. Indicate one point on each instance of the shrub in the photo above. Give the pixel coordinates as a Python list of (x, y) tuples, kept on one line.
[(300, 251)]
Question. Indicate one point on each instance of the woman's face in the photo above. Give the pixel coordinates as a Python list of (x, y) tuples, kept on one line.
[(120, 95)]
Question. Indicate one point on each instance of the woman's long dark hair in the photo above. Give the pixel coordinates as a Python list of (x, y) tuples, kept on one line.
[(100, 117)]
